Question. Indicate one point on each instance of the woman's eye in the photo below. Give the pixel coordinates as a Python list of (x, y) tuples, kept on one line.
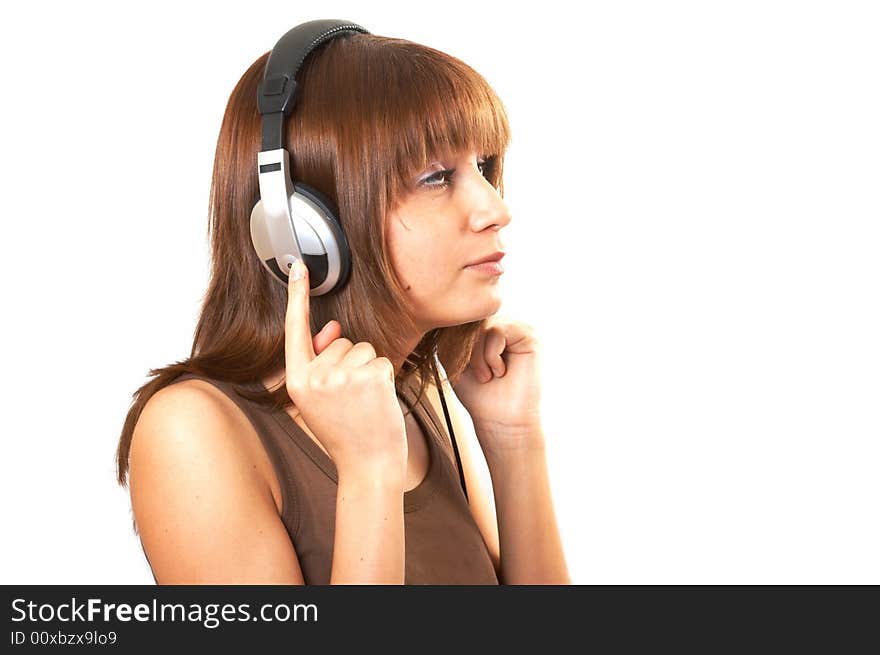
[(442, 179), (439, 179)]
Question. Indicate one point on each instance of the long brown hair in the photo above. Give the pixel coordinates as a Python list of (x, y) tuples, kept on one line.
[(371, 112)]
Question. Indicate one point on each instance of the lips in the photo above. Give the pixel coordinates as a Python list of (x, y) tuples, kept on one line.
[(494, 257)]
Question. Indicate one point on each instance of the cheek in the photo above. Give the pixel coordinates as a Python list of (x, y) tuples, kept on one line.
[(421, 261)]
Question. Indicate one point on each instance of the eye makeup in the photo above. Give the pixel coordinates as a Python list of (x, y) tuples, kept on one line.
[(442, 179)]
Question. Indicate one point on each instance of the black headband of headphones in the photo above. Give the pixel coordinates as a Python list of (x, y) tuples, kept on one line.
[(277, 94)]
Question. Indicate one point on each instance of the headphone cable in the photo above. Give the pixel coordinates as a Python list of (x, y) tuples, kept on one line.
[(451, 431)]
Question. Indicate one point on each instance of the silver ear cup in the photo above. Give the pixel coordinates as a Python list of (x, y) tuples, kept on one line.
[(321, 241)]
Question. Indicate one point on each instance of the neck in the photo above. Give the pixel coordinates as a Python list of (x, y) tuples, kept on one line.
[(398, 360)]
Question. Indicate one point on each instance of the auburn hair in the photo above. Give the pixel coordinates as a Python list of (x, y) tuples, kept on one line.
[(372, 113)]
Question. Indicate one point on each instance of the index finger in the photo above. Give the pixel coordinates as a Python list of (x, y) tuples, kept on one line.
[(298, 350)]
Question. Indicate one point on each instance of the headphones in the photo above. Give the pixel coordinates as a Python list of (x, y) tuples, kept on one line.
[(292, 221)]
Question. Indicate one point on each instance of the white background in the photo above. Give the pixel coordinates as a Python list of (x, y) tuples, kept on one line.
[(694, 189)]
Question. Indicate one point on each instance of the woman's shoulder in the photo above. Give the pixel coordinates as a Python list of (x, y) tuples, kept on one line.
[(194, 394), (193, 407), (188, 418), (193, 424)]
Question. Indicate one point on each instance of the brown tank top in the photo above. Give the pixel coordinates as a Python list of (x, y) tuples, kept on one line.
[(443, 543)]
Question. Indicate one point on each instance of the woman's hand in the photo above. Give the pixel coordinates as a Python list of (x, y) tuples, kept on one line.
[(501, 388), (345, 394)]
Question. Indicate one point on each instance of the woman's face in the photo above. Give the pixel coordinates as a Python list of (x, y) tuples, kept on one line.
[(452, 218)]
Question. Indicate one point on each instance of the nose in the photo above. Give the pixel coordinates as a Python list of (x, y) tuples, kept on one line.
[(489, 210)]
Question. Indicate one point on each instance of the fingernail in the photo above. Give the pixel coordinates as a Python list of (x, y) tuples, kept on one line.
[(296, 271)]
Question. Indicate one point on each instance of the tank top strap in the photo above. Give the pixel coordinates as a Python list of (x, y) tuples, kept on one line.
[(437, 424)]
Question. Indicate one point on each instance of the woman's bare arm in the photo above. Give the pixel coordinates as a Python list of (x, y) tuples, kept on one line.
[(369, 541), (531, 546)]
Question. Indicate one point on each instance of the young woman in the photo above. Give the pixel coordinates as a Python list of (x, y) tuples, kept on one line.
[(271, 456)]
